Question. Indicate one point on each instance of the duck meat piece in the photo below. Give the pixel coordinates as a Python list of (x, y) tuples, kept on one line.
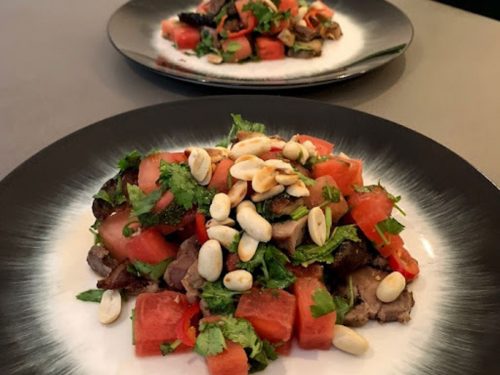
[(330, 31), (304, 34), (398, 310), (365, 283), (187, 255), (120, 278), (358, 316), (349, 257), (306, 50), (101, 261), (196, 19), (381, 263), (289, 234), (192, 282), (285, 204)]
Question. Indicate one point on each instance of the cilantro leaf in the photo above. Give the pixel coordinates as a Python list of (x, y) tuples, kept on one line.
[(167, 348), (233, 248), (307, 254), (299, 213), (240, 124), (178, 179), (266, 17), (219, 299), (331, 194), (210, 341), (151, 271), (141, 203), (268, 265), (130, 161), (114, 196), (263, 358), (306, 180), (323, 303), (344, 305), (91, 295), (389, 225), (241, 332), (206, 44)]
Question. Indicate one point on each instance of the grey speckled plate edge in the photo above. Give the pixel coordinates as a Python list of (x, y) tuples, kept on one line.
[(389, 33)]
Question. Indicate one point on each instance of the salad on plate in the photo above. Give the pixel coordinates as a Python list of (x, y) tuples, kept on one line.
[(237, 251), (230, 31)]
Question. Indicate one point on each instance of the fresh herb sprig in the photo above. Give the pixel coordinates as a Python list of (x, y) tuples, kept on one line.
[(219, 299), (240, 124), (269, 266), (308, 254)]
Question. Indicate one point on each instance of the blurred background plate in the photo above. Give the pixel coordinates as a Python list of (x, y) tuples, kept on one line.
[(375, 32)]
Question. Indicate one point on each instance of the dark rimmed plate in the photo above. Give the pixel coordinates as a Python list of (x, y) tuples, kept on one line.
[(452, 227), (386, 32)]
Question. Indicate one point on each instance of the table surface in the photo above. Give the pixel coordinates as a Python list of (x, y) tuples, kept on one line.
[(59, 73)]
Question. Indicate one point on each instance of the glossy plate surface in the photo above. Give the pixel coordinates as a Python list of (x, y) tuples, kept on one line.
[(375, 32), (451, 228)]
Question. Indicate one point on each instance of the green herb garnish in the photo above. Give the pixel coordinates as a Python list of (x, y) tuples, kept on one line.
[(240, 124), (299, 213), (187, 192), (323, 303), (266, 17), (151, 271), (307, 254), (219, 299), (331, 194), (210, 341), (91, 295), (168, 348), (130, 161), (268, 267), (391, 226)]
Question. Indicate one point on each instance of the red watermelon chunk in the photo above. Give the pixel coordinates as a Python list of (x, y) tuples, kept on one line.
[(156, 316), (232, 361), (271, 312), (111, 232), (149, 246), (312, 333)]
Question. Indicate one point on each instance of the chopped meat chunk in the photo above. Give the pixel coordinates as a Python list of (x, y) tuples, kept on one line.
[(399, 310), (285, 205), (101, 261), (289, 234), (365, 282), (349, 257), (192, 282), (120, 278), (187, 255)]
